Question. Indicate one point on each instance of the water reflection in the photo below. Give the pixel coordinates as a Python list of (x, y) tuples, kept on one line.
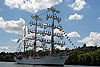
[(46, 66), (20, 65), (13, 64), (23, 65), (55, 66)]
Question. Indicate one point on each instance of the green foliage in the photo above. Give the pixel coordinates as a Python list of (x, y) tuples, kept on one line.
[(82, 58), (57, 51), (41, 53), (7, 57), (78, 57), (74, 57)]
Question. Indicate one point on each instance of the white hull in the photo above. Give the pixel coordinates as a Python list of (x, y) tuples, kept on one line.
[(48, 60)]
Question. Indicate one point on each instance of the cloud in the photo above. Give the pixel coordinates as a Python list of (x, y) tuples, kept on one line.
[(61, 48), (98, 18), (75, 17), (47, 37), (73, 34), (31, 5), (14, 40), (12, 26), (40, 29), (92, 40), (4, 48), (78, 5), (39, 49), (57, 31)]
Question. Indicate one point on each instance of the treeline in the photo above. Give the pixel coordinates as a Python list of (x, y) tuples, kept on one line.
[(44, 53), (7, 57), (84, 58), (79, 56)]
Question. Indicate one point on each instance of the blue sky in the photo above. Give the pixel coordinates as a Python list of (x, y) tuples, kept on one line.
[(80, 20)]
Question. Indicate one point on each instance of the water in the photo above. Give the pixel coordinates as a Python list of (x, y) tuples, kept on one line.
[(13, 64)]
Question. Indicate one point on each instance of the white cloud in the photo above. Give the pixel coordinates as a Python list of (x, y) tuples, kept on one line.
[(39, 28), (92, 40), (57, 31), (12, 26), (14, 40), (30, 35), (61, 48), (73, 34), (31, 5), (75, 17), (4, 48), (39, 49), (78, 5), (47, 37), (98, 18)]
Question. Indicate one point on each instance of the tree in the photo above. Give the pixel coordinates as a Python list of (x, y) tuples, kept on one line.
[(41, 53), (57, 51)]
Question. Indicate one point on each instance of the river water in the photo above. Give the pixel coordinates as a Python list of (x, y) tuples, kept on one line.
[(13, 64)]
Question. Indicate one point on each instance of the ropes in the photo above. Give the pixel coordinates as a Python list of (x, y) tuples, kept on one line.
[(61, 30), (68, 38), (19, 48)]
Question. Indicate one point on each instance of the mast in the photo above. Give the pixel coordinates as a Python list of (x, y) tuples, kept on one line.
[(52, 37), (54, 11), (24, 39), (35, 37), (36, 19), (24, 47)]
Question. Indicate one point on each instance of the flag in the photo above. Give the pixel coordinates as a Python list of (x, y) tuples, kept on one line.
[(24, 35), (70, 41), (59, 24), (67, 37), (62, 30), (18, 40)]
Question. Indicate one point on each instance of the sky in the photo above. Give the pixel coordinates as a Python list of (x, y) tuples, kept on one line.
[(80, 21)]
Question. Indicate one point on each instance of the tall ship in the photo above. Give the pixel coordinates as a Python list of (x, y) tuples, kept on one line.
[(52, 58)]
